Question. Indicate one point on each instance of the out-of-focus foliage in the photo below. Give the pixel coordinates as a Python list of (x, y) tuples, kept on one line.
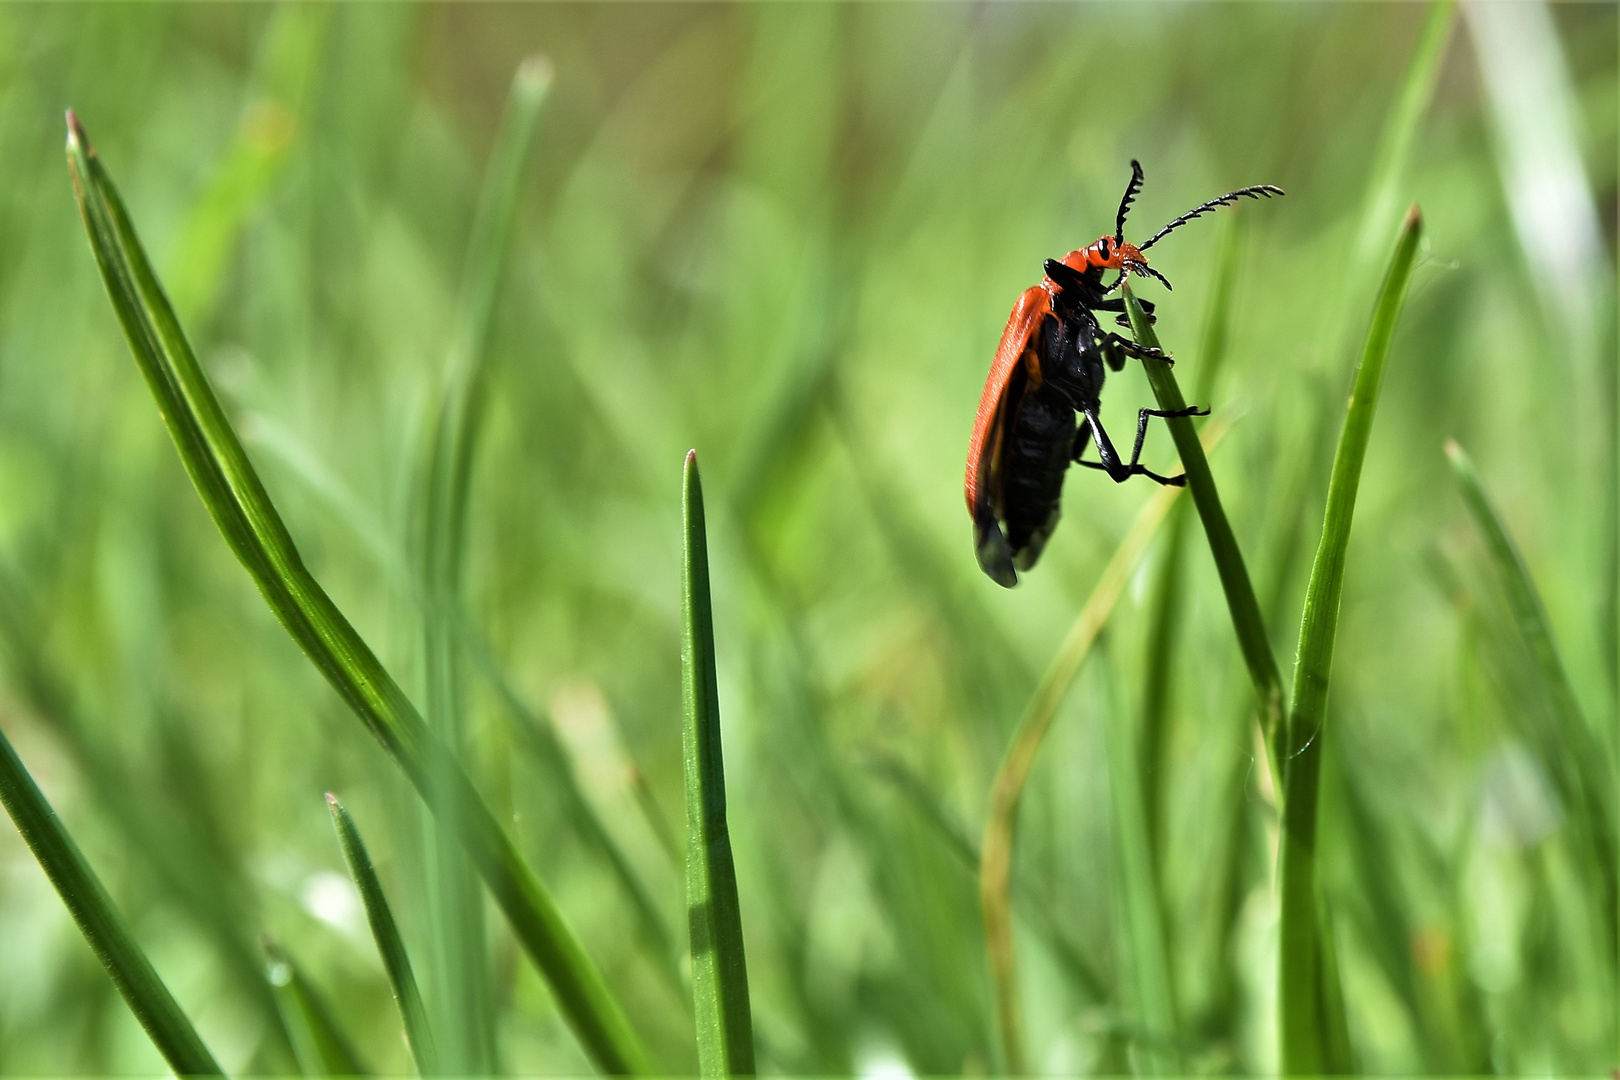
[(789, 236)]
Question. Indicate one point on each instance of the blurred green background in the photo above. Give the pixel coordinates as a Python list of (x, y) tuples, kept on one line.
[(789, 236)]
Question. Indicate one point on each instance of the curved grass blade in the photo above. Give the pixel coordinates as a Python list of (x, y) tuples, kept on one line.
[(1591, 768), (995, 859), (320, 1045), (235, 497), (463, 998), (725, 1033), (92, 909), (1303, 1028), (1247, 621), (390, 945)]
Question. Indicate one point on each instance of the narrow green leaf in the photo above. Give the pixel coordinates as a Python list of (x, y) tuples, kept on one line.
[(1165, 607), (321, 1046), (1590, 769), (725, 1030), (236, 499), (463, 992), (87, 901), (1302, 1028), (1234, 574), (1140, 914), (390, 945)]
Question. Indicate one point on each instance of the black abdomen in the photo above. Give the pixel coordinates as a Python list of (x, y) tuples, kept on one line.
[(1039, 448)]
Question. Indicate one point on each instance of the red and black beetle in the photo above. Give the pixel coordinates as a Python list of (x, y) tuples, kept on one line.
[(1049, 367)]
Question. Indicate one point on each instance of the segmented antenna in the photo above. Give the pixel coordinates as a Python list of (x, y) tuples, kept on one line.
[(1255, 192), (1125, 204)]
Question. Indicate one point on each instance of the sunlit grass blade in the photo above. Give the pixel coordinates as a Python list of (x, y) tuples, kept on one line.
[(1229, 565), (996, 848), (725, 1032), (320, 1044), (1303, 1029), (92, 909), (1591, 767), (241, 508), (390, 945), (462, 998)]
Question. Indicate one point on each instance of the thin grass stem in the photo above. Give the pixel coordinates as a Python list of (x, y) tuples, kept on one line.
[(1304, 1029), (321, 1046), (1591, 769), (390, 944), (463, 997), (1247, 621)]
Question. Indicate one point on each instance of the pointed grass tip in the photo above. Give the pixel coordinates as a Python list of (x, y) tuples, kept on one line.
[(1414, 216), (77, 139), (691, 459), (1453, 449), (331, 801), (537, 71)]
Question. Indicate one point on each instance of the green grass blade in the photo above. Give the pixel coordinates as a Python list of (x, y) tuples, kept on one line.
[(463, 1002), (1165, 607), (236, 499), (1140, 912), (390, 945), (1302, 1028), (996, 848), (725, 1033), (1234, 573), (87, 901), (321, 1046), (1594, 776)]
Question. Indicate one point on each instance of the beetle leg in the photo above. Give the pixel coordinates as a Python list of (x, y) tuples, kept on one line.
[(1117, 304), (1082, 439), (1131, 348), (1117, 470)]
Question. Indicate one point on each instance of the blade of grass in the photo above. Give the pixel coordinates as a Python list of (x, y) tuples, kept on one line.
[(390, 945), (1165, 607), (725, 1034), (322, 1047), (995, 861), (1152, 1001), (1234, 574), (235, 497), (534, 733), (1592, 771), (462, 999), (92, 909), (1303, 1029)]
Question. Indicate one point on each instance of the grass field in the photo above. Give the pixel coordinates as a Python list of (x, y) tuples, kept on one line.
[(468, 281)]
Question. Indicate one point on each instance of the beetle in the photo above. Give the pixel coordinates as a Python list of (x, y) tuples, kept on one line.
[(1048, 368)]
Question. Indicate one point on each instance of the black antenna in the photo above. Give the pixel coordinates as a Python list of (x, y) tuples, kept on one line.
[(1125, 204), (1256, 192)]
